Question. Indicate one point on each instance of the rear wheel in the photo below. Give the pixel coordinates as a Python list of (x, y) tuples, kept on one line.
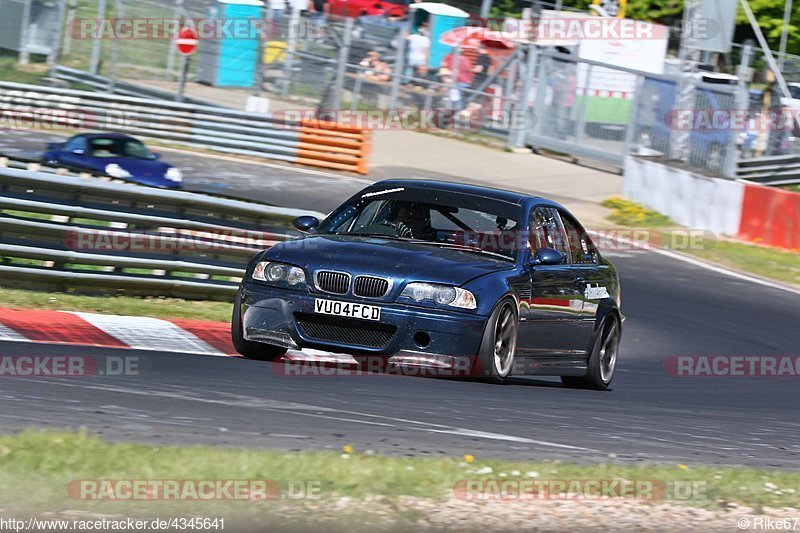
[(251, 350), (499, 343), (602, 362)]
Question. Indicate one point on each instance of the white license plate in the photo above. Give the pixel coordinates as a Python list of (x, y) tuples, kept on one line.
[(348, 309)]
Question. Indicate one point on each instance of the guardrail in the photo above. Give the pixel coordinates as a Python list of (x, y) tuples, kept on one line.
[(104, 84), (770, 170), (301, 141), (68, 232)]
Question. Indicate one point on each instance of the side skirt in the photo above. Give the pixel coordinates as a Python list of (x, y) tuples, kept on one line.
[(550, 366)]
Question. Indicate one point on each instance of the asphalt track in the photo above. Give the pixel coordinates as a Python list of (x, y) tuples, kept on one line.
[(672, 308), (274, 183), (279, 184)]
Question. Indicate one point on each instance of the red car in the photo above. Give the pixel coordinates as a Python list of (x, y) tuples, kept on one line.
[(358, 8)]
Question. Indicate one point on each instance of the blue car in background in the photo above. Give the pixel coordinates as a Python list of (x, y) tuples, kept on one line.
[(656, 123), (116, 155), (471, 281)]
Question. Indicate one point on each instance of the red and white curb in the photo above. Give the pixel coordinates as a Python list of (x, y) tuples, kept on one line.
[(182, 335)]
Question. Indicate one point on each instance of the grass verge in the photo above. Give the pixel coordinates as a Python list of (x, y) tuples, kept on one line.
[(117, 305), (765, 262), (627, 213), (39, 466), (770, 263), (10, 70)]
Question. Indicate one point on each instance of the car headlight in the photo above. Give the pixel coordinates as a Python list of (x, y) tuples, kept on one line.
[(173, 174), (441, 294), (280, 274), (116, 171)]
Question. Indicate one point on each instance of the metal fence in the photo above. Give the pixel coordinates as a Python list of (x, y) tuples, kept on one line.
[(576, 113), (535, 96), (69, 232)]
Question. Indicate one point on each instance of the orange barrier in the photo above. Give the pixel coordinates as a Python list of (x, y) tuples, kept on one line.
[(335, 146), (771, 216)]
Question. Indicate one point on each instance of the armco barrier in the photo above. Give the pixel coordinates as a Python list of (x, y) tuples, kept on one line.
[(750, 212), (103, 84), (771, 216), (69, 232), (320, 144)]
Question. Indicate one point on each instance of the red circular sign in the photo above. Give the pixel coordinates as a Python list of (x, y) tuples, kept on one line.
[(187, 41)]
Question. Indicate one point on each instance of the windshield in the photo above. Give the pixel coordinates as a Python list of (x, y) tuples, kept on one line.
[(458, 221), (111, 147)]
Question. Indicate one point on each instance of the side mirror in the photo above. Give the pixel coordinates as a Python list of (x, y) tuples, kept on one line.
[(306, 224), (154, 155), (547, 256), (77, 151)]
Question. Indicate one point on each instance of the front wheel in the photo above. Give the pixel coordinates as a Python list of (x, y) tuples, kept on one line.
[(249, 349), (499, 343), (602, 362)]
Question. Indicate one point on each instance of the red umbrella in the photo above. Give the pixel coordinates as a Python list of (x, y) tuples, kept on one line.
[(470, 36)]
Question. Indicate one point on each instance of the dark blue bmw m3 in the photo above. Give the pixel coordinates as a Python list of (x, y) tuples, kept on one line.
[(422, 273)]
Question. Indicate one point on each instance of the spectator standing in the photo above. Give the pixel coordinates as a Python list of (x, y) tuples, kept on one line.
[(483, 64), (465, 75), (419, 49), (278, 8), (319, 12), (300, 5)]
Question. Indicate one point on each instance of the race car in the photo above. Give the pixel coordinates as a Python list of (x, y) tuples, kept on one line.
[(116, 155), (438, 274)]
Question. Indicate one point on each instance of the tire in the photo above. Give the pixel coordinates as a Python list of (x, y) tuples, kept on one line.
[(248, 349), (602, 362), (499, 343)]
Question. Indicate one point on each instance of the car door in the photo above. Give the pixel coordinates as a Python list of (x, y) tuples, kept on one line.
[(589, 277), (550, 317), (74, 153)]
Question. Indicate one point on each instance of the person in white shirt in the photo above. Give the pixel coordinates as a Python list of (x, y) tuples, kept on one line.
[(419, 47), (300, 5), (278, 7)]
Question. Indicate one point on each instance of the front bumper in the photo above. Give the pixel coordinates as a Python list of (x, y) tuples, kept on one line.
[(282, 318)]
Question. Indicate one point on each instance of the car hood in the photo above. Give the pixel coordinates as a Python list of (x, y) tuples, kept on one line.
[(401, 260)]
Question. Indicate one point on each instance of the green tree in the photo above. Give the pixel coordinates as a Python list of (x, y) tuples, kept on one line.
[(769, 14), (651, 10)]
